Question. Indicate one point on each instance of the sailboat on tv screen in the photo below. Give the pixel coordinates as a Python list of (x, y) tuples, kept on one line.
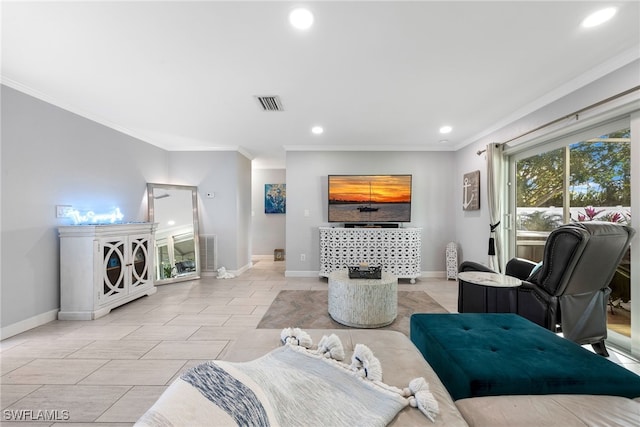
[(368, 208)]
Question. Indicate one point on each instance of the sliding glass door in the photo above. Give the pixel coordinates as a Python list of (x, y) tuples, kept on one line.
[(540, 200), (586, 177)]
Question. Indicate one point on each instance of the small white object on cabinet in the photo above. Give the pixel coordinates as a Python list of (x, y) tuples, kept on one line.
[(103, 267)]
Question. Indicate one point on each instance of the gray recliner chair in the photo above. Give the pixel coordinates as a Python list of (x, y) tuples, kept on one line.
[(570, 290)]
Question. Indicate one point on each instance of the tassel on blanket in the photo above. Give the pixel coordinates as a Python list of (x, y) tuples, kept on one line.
[(296, 336), (364, 362), (420, 397), (331, 347)]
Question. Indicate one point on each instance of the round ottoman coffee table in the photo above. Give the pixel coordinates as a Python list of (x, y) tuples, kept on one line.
[(363, 303)]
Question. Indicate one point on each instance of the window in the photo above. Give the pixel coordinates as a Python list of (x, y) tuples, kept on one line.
[(587, 180)]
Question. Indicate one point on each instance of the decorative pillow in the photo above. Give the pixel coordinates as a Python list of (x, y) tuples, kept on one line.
[(535, 269)]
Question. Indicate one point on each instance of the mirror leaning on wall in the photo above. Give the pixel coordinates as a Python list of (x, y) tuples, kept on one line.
[(175, 209)]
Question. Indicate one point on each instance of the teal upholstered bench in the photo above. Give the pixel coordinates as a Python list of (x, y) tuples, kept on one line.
[(505, 354)]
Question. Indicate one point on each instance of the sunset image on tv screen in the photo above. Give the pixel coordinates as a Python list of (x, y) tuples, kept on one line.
[(369, 198)]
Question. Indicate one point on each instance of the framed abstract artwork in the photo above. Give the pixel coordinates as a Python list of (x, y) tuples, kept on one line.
[(275, 198)]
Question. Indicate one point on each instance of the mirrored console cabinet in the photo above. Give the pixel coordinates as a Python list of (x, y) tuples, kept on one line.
[(103, 267)]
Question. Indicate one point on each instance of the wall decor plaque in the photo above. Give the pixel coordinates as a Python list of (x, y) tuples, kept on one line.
[(471, 191)]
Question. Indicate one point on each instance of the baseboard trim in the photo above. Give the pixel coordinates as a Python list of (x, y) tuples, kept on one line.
[(433, 274), (289, 273), (242, 269), (234, 272), (26, 324)]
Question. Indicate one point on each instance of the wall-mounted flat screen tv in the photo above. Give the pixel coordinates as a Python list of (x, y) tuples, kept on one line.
[(369, 198)]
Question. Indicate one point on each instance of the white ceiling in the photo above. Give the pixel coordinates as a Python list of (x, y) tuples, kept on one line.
[(376, 75)]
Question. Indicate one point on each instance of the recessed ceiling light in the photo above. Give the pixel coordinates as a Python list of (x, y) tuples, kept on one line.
[(446, 129), (317, 130), (301, 18), (444, 141), (599, 17)]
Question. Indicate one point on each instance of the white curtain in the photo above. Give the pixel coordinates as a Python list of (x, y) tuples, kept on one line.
[(496, 191)]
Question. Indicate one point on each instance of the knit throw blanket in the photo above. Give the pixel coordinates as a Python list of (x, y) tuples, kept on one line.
[(290, 386)]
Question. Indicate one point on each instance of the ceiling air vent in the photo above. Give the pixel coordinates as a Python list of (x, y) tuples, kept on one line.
[(270, 103)]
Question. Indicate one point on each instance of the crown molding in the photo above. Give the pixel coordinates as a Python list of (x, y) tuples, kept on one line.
[(443, 147), (6, 81), (586, 78), (73, 109)]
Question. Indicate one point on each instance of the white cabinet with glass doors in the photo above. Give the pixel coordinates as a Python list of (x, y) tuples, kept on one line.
[(104, 266)]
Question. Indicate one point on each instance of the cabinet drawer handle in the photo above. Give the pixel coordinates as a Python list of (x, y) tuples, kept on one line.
[(129, 265)]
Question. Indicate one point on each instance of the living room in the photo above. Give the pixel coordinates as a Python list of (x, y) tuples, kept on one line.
[(53, 155), (50, 178)]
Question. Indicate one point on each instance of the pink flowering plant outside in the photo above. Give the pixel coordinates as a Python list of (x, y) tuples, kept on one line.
[(593, 214)]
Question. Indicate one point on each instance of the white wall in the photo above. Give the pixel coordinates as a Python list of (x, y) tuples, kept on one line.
[(432, 200), (227, 174), (52, 157), (243, 212), (268, 230), (472, 227)]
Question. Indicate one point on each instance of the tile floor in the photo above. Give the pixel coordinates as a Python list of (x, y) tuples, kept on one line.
[(109, 371)]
